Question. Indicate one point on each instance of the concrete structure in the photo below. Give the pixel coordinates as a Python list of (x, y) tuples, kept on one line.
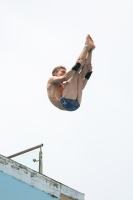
[(18, 182)]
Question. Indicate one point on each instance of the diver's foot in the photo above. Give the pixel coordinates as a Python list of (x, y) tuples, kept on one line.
[(89, 43)]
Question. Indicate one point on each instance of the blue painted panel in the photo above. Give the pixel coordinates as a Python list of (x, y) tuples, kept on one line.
[(13, 189)]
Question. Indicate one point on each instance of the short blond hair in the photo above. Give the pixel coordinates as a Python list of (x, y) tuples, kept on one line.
[(57, 68)]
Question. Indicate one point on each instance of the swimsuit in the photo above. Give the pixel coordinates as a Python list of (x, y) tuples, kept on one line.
[(69, 104)]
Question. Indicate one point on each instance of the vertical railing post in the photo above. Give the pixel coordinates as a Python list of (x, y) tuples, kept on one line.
[(34, 160), (40, 161)]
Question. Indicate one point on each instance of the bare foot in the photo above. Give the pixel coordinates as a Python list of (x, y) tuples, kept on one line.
[(90, 43)]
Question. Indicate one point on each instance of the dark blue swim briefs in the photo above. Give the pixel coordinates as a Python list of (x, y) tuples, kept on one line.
[(69, 104)]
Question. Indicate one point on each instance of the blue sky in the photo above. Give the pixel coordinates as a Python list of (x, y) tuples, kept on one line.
[(91, 149)]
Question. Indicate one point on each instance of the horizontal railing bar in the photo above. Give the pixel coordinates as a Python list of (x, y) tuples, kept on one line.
[(25, 151)]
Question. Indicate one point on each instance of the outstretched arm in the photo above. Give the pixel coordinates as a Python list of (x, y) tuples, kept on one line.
[(68, 75), (81, 60), (88, 75), (84, 82), (58, 79)]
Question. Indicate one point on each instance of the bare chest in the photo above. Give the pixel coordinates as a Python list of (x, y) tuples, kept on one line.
[(55, 90)]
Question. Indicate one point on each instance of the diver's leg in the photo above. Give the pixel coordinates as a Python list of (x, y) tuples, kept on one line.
[(70, 88), (89, 44)]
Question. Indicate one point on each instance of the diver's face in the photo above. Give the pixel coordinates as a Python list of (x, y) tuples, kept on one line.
[(60, 72)]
